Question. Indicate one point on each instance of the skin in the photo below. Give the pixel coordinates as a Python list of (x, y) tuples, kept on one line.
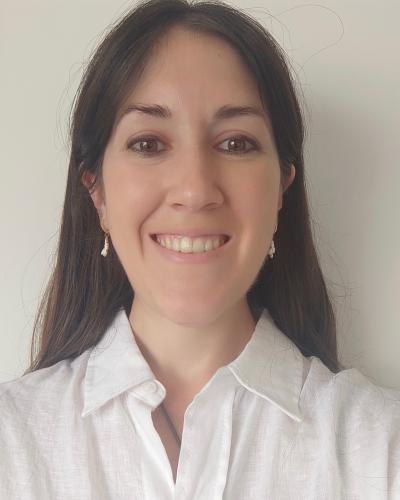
[(189, 320)]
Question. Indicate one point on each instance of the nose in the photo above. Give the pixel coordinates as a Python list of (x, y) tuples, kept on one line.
[(196, 182)]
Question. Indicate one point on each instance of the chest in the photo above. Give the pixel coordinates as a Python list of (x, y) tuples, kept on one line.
[(168, 439)]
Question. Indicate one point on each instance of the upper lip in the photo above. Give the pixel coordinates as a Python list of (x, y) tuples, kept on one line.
[(192, 233)]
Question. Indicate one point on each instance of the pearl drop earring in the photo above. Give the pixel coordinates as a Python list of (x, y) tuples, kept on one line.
[(271, 250), (106, 246)]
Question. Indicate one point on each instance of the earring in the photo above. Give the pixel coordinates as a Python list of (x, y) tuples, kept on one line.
[(271, 250), (106, 246)]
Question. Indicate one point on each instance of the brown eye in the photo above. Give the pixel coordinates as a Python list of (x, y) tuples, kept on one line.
[(147, 145), (234, 145), (235, 142)]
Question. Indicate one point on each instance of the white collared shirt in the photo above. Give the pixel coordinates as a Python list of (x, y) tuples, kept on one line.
[(272, 424)]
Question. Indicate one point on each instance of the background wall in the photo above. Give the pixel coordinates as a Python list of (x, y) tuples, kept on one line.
[(344, 55)]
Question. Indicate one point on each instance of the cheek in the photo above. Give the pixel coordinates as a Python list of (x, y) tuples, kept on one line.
[(259, 196), (129, 195), (129, 208)]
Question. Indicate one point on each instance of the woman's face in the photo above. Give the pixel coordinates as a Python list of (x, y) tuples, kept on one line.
[(190, 181)]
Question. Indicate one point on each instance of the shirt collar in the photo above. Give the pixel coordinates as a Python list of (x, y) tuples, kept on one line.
[(270, 365)]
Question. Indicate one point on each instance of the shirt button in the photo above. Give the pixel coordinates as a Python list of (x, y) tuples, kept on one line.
[(150, 387)]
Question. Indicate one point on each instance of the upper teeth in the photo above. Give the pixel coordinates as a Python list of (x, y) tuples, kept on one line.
[(190, 245)]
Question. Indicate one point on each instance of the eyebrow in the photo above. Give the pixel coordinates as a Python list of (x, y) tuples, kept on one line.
[(224, 113)]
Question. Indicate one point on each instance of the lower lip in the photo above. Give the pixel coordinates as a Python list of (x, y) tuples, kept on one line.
[(192, 258)]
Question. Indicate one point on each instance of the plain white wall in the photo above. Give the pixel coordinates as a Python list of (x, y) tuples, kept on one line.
[(344, 55)]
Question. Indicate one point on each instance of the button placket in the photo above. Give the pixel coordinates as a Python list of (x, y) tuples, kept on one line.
[(199, 435), (156, 482)]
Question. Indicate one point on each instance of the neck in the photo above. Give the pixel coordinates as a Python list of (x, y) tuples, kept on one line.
[(185, 356)]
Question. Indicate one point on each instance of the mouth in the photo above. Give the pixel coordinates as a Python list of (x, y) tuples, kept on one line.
[(225, 237), (208, 254)]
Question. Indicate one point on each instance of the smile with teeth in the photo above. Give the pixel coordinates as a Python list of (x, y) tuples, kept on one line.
[(185, 244)]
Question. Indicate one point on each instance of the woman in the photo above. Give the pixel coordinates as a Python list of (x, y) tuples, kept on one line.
[(187, 343)]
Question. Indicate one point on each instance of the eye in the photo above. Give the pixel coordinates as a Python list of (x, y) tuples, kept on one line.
[(240, 139), (147, 141), (147, 150)]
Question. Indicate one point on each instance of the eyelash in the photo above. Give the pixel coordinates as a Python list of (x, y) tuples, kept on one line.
[(150, 138)]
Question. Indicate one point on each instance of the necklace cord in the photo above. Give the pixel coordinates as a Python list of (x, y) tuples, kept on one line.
[(171, 425)]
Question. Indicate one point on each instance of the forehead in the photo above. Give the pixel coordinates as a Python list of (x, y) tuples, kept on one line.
[(188, 65)]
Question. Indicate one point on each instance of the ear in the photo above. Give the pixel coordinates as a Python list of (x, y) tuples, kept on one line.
[(97, 195), (286, 181)]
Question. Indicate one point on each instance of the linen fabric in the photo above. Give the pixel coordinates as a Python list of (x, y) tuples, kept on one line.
[(273, 424)]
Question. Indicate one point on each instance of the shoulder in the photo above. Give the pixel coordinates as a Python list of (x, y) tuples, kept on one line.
[(37, 412), (353, 409), (353, 426), (42, 391), (349, 390)]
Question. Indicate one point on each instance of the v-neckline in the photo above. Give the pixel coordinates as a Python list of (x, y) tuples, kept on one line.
[(171, 446)]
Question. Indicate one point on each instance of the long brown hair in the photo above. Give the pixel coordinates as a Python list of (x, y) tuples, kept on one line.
[(85, 291)]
